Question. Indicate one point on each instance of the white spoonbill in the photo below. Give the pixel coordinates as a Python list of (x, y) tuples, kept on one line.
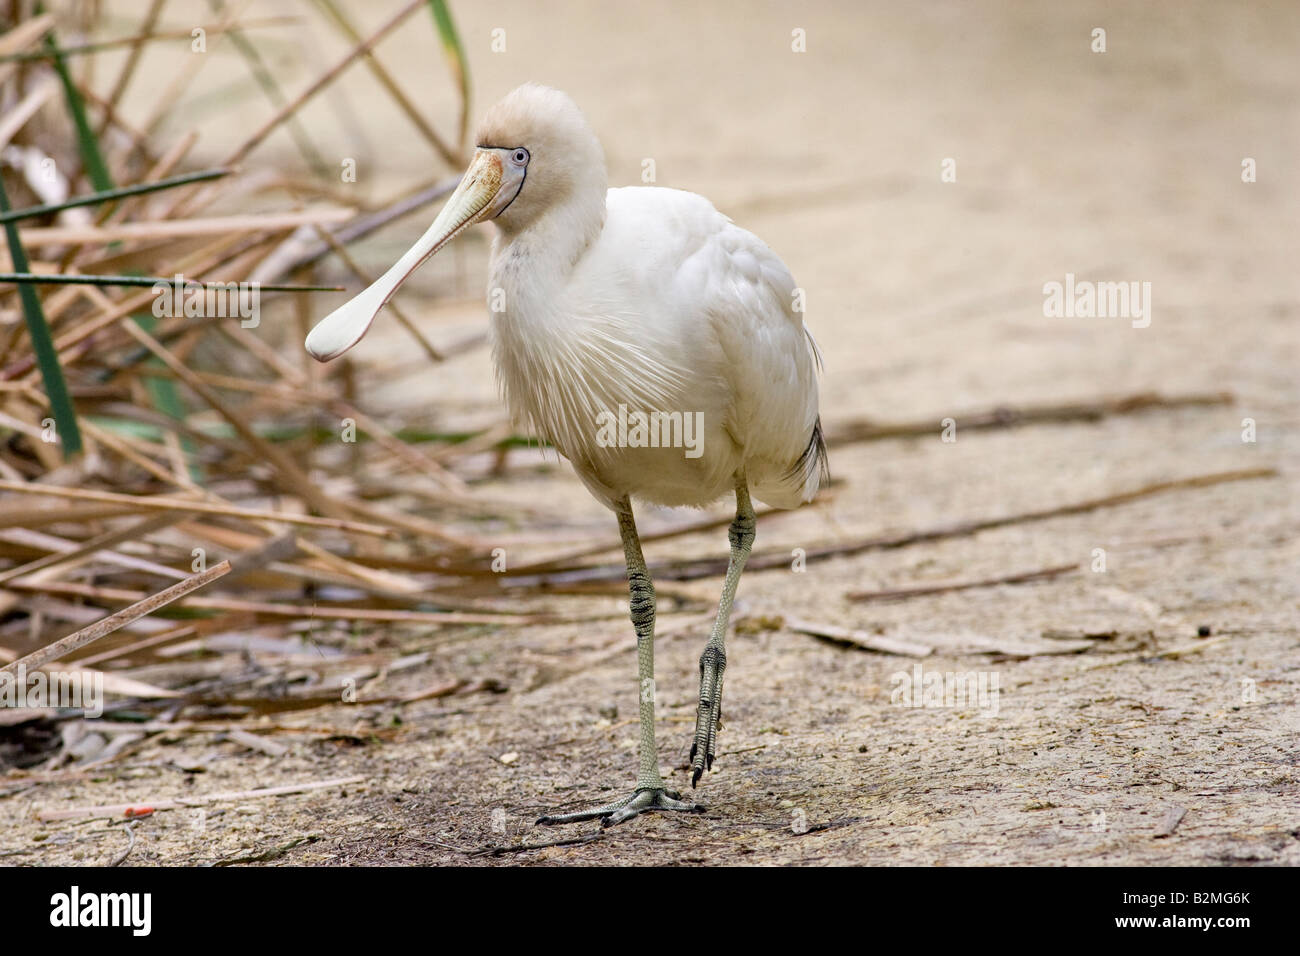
[(637, 305)]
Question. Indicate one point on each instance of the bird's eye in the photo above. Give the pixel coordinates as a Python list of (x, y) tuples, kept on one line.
[(519, 157)]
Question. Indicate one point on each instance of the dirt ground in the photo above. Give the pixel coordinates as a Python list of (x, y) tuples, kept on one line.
[(927, 299)]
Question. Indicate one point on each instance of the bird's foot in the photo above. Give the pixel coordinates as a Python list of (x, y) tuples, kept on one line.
[(708, 719), (638, 801)]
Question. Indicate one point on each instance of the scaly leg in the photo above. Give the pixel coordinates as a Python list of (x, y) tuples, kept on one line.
[(650, 793), (713, 662)]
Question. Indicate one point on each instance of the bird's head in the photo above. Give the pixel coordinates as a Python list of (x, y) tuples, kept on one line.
[(534, 153)]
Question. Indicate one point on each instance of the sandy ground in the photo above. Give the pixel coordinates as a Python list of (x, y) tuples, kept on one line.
[(927, 297)]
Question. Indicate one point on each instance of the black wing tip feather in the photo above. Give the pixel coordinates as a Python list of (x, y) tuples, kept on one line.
[(814, 458)]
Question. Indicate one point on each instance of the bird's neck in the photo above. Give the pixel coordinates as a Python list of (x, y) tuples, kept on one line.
[(532, 268), (551, 245), (534, 327)]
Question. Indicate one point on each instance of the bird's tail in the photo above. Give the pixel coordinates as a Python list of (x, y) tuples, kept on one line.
[(813, 466)]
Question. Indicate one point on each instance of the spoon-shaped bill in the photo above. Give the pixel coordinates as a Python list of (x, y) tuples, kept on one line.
[(344, 327)]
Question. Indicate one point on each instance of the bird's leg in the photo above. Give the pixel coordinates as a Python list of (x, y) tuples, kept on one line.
[(713, 662), (650, 793)]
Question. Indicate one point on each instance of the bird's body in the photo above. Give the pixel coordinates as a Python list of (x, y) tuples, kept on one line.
[(658, 346), (671, 308)]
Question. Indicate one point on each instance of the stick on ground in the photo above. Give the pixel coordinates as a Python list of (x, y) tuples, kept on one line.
[(874, 642), (143, 807), (66, 645), (891, 594)]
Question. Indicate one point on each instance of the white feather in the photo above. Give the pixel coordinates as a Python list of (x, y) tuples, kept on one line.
[(673, 308)]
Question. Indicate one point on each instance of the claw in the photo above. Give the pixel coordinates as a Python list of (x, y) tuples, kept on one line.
[(708, 719), (639, 801)]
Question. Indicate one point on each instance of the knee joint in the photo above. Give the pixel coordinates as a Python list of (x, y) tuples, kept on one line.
[(642, 599), (741, 532), (713, 656)]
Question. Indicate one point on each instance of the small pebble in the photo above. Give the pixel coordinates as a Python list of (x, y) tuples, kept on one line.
[(509, 758)]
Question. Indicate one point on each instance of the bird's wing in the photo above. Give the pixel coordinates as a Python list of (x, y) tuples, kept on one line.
[(736, 303)]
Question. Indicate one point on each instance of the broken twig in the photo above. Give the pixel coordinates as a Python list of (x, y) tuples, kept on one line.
[(66, 645), (890, 594)]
